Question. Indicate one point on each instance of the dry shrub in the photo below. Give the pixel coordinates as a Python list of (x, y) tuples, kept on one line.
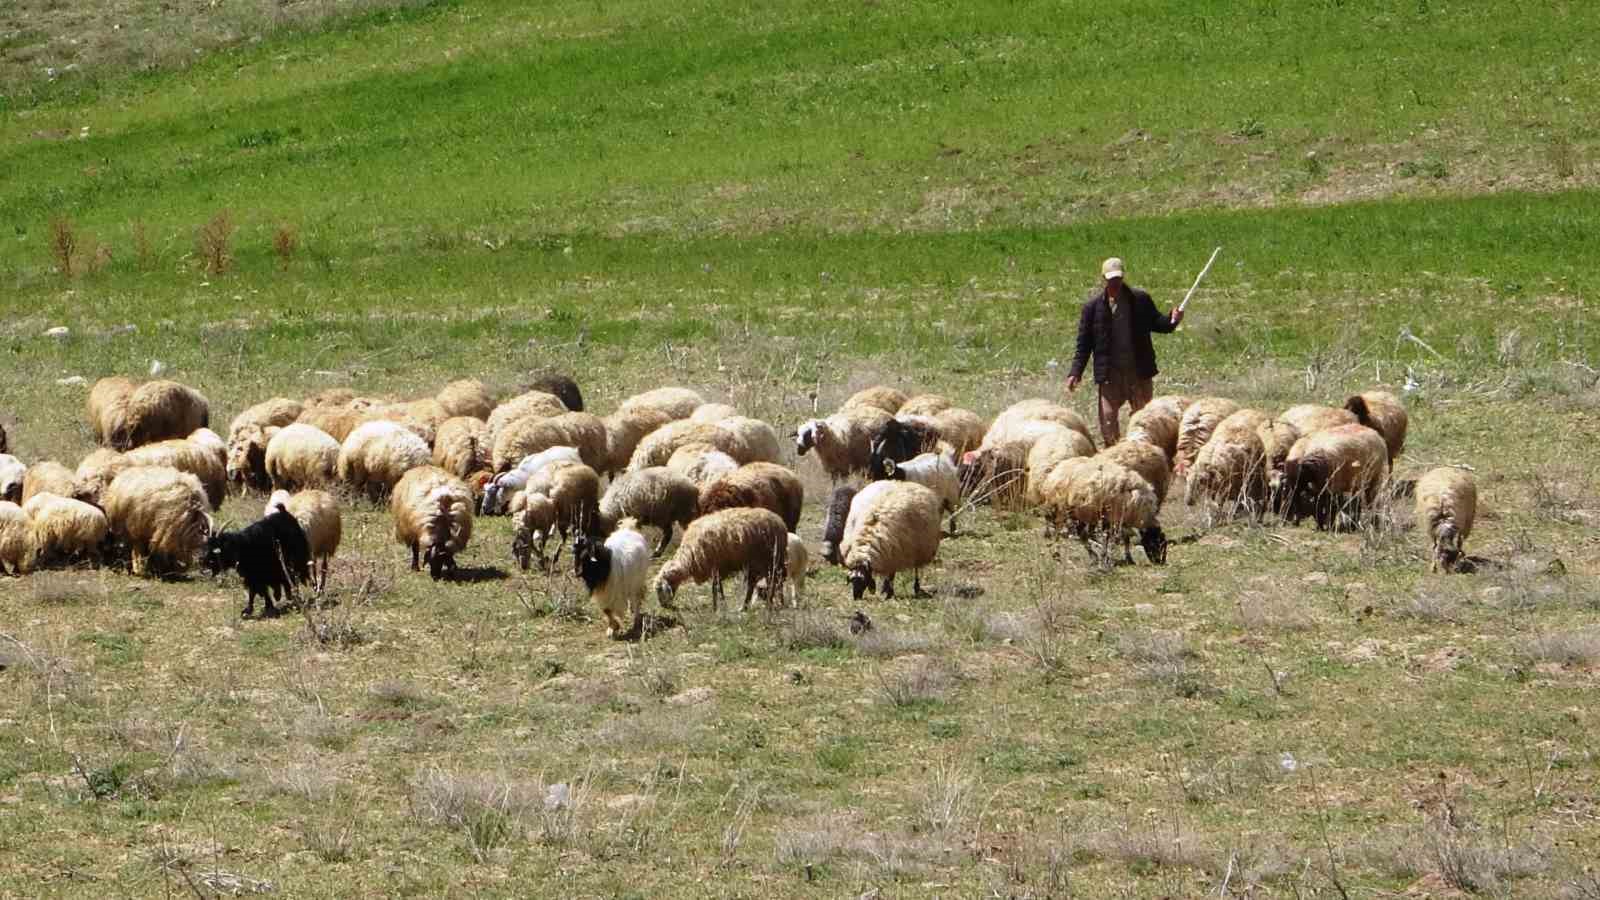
[(63, 244), (885, 643), (1577, 647), (807, 630), (143, 252), (490, 811), (285, 241), (947, 798), (926, 680), (1261, 612), (1471, 864), (213, 243)]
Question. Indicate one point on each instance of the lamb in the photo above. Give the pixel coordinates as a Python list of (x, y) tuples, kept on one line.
[(1016, 418), (796, 561), (574, 488), (1231, 469), (247, 438), (302, 456), (625, 429), (533, 523), (466, 398), (271, 555), (924, 405), (378, 454), (759, 484), (12, 474), (899, 530), (48, 477), (615, 571), (937, 473), (1149, 461), (161, 513), (528, 436), (1447, 502), (16, 539), (753, 541), (503, 487), (887, 399), (656, 496), (1093, 494), (63, 530), (318, 515), (712, 412), (1059, 444), (1334, 468), (432, 512), (94, 474), (1158, 423), (833, 521), (1309, 417), (185, 456), (677, 402), (107, 395), (1381, 411), (701, 463), (562, 387), (154, 411), (459, 447), (533, 404), (843, 441), (1199, 421)]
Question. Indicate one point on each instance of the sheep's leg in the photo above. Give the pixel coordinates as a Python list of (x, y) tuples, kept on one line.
[(1127, 547), (916, 586), (249, 603), (416, 556), (888, 587), (750, 580), (666, 538), (613, 624), (716, 593)]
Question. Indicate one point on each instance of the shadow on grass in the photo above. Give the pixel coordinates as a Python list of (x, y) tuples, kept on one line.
[(478, 574)]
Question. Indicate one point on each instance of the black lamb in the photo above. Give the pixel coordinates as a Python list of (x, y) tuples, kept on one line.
[(833, 521), (562, 386), (900, 441), (270, 555)]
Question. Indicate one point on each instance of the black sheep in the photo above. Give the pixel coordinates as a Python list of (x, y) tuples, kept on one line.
[(270, 555), (900, 441), (833, 521), (562, 386)]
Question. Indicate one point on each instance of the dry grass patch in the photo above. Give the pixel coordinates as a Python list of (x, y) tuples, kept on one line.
[(1574, 647)]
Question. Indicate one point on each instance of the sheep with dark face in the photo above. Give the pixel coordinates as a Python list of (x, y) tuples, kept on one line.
[(1381, 411), (1335, 470), (894, 526), (615, 571), (1447, 503), (271, 555), (432, 512), (1094, 495), (900, 440)]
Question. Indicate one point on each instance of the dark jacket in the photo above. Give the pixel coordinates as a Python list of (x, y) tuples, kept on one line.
[(1094, 331)]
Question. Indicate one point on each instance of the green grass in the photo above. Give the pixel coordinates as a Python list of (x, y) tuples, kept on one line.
[(777, 204)]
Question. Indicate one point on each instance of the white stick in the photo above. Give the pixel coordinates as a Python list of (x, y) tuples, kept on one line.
[(1197, 279)]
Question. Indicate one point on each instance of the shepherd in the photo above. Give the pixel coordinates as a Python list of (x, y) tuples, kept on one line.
[(1115, 327)]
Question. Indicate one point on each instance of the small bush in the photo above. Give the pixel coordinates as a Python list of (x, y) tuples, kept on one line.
[(488, 811), (213, 243), (924, 682), (144, 253), (807, 630), (285, 241), (1578, 647), (63, 244)]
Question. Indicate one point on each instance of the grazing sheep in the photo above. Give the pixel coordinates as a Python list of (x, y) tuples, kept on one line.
[(859, 505), (937, 473), (378, 454), (677, 402), (95, 472), (759, 484), (1230, 471), (900, 439), (615, 572), (245, 456), (562, 387), (155, 411), (161, 513), (998, 474), (1092, 494), (924, 405), (701, 463), (330, 397), (318, 515), (752, 541), (1053, 447), (753, 440), (211, 442), (185, 456), (899, 530), (274, 413), (1447, 502), (460, 447), (12, 475), (270, 554), (1018, 418), (336, 421), (466, 398), (64, 530), (659, 445), (797, 560), (833, 521), (302, 456), (105, 399), (625, 429), (712, 412), (1199, 421), (503, 487), (1277, 437), (962, 429), (574, 488), (532, 405), (1333, 469), (432, 512), (887, 399), (843, 441), (532, 524), (1158, 423), (1149, 461), (528, 436), (656, 496), (48, 477), (1308, 418), (16, 539), (1381, 411)]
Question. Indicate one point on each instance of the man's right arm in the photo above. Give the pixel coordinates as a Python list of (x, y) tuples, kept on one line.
[(1085, 343)]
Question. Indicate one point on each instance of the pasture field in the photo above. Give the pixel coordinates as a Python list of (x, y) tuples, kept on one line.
[(777, 204)]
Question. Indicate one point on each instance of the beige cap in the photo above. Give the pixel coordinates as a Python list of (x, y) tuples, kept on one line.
[(1111, 268)]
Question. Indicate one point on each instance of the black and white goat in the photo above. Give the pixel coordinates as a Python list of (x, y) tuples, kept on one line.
[(270, 555)]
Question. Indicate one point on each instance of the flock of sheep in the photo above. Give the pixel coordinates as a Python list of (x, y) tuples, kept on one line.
[(669, 460)]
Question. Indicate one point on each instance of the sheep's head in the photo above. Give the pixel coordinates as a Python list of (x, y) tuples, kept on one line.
[(1303, 480), (830, 552), (1447, 546), (440, 561), (665, 591), (861, 581), (805, 437), (1154, 542), (220, 554), (582, 549)]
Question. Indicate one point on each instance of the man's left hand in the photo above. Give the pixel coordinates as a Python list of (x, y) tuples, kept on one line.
[(1177, 316)]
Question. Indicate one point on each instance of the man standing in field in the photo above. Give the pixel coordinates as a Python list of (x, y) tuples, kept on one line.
[(1115, 328)]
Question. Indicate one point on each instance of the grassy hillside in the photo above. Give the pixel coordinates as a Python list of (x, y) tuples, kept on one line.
[(777, 203)]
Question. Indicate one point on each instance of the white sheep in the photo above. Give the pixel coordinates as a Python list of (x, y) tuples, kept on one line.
[(211, 442), (712, 412), (615, 571), (937, 473), (378, 454), (1149, 461), (1447, 503), (1230, 470), (1055, 444), (185, 456), (924, 405), (461, 447), (1308, 418), (432, 512), (503, 487), (302, 456), (1093, 495), (16, 539), (154, 411), (95, 472), (898, 530), (796, 563), (1334, 469), (843, 441), (528, 436), (337, 421), (625, 428), (1018, 418), (701, 463), (107, 395), (574, 488), (533, 521), (1199, 420), (318, 515), (1158, 423), (12, 474), (752, 541), (161, 513), (245, 453), (961, 429), (656, 496), (64, 530), (533, 404)]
